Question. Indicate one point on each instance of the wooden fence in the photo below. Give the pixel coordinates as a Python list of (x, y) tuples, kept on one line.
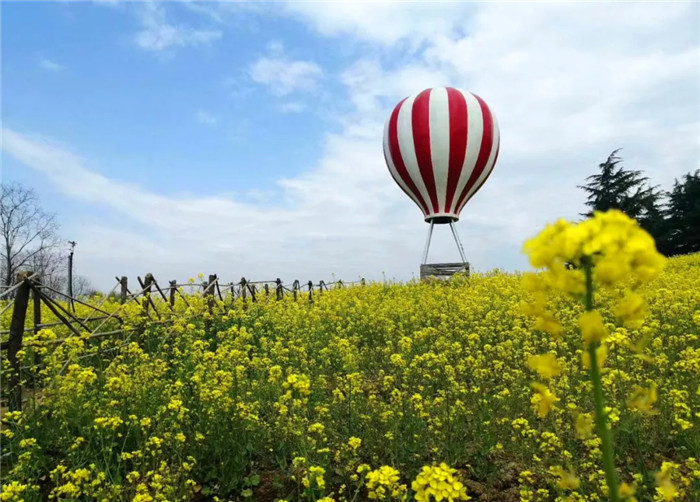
[(29, 287)]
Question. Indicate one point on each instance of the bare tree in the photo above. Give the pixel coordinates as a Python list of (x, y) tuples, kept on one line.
[(27, 233), (50, 265), (82, 287)]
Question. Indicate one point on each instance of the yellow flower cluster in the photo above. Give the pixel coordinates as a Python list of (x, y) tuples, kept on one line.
[(439, 482), (13, 491), (546, 365), (384, 484), (614, 243), (543, 400), (607, 250)]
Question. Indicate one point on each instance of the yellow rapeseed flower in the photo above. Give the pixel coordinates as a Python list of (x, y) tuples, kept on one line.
[(438, 483), (584, 425), (665, 487), (601, 355), (592, 327), (12, 491), (643, 399), (627, 492), (545, 365), (543, 400), (631, 310), (383, 484), (568, 480), (354, 442)]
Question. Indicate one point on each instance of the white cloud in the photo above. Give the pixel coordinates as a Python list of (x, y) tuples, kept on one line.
[(158, 35), (283, 75), (275, 48), (204, 117), (384, 23), (300, 234), (619, 75), (49, 65), (205, 9), (292, 107)]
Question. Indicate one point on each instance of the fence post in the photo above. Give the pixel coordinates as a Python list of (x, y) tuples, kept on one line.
[(311, 292), (209, 293), (37, 308), (19, 314), (36, 300), (70, 276), (253, 290), (218, 291), (278, 288), (173, 289), (125, 288), (244, 290), (146, 286), (267, 290), (295, 288), (211, 285)]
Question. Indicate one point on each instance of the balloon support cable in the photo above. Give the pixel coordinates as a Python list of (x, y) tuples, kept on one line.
[(443, 270), (454, 234)]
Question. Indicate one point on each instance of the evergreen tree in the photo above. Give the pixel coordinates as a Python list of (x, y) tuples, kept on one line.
[(656, 222), (684, 215), (618, 188)]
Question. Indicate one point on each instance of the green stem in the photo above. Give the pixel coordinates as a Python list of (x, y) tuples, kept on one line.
[(602, 425), (600, 415)]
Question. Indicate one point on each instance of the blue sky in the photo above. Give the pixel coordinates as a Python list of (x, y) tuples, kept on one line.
[(245, 138), (82, 76)]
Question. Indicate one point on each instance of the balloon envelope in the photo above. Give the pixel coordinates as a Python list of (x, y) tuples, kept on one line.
[(440, 146)]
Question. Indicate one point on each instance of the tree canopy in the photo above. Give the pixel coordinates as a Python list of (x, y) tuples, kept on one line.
[(684, 215), (618, 188), (672, 218)]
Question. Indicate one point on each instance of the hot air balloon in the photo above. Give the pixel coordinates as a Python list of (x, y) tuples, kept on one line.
[(440, 146)]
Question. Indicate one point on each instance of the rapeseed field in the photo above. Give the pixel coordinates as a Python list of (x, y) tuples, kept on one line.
[(578, 383)]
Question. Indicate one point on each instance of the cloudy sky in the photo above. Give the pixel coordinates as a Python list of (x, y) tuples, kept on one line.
[(245, 139)]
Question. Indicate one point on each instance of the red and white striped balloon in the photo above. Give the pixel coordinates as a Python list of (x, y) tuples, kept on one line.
[(441, 146)]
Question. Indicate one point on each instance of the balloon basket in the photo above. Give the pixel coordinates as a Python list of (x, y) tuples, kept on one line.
[(442, 271)]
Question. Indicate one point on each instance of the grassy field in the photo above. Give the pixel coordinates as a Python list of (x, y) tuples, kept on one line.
[(363, 395)]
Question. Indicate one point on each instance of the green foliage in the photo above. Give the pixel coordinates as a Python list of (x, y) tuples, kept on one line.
[(672, 218), (619, 188), (283, 399), (684, 215)]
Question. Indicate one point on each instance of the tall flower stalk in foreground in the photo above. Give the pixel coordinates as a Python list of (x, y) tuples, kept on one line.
[(608, 249)]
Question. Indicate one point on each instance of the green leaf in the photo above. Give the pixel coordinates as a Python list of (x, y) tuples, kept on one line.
[(254, 480)]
